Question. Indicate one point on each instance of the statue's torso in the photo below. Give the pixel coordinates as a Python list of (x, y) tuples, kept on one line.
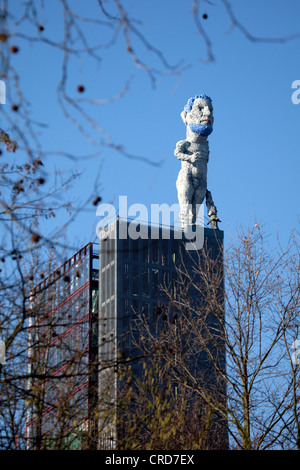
[(197, 165)]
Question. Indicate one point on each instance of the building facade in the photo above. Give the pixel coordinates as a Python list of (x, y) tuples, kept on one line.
[(63, 355), (135, 273)]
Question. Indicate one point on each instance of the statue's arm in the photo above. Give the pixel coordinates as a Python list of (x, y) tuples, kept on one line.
[(182, 151)]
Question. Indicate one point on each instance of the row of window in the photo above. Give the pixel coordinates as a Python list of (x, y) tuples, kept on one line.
[(144, 281), (153, 251)]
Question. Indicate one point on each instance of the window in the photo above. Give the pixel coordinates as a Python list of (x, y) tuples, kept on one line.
[(135, 279), (145, 281), (155, 281), (145, 251), (165, 253), (125, 287), (155, 251)]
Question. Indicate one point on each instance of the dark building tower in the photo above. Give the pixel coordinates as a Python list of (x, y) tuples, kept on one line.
[(80, 330), (63, 355), (132, 270)]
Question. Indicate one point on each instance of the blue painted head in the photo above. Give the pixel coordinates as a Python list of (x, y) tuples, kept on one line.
[(187, 108), (204, 129)]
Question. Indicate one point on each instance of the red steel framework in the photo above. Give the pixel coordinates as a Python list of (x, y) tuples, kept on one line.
[(81, 274)]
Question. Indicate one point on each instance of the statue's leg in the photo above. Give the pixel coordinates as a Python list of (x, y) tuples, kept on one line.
[(185, 190), (198, 198), (210, 205), (211, 211)]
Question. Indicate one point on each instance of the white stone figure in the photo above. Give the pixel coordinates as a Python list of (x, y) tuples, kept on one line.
[(194, 154)]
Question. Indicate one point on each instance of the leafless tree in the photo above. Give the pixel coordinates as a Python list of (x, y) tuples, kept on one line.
[(254, 394), (31, 194), (157, 413)]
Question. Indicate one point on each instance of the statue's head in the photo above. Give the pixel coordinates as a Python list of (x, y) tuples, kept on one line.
[(198, 115)]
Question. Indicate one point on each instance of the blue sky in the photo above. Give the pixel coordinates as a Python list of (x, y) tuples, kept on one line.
[(254, 149)]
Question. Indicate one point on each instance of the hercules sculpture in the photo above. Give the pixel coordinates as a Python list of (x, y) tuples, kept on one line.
[(194, 153)]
